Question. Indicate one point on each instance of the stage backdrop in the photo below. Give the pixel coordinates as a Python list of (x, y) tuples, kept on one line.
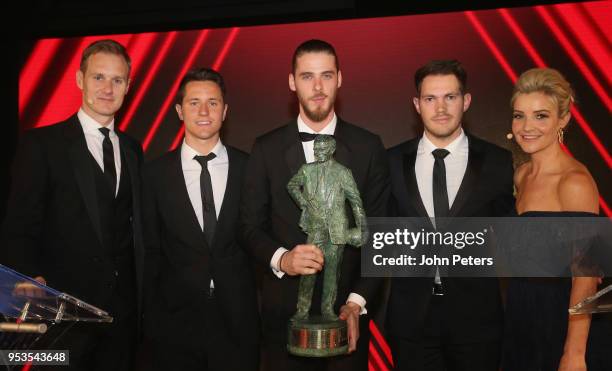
[(378, 58)]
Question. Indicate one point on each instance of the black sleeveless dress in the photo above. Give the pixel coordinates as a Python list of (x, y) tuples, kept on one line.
[(536, 321)]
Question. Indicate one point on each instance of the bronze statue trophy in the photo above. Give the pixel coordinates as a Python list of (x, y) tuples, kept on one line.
[(321, 189)]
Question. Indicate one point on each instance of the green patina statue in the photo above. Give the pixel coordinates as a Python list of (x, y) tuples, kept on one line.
[(321, 189)]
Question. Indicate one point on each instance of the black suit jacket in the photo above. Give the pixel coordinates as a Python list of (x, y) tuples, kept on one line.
[(473, 305), (270, 217), (52, 226), (179, 261)]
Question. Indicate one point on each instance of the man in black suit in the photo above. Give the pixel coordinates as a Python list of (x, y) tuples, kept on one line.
[(201, 305), (441, 323), (271, 218), (73, 218)]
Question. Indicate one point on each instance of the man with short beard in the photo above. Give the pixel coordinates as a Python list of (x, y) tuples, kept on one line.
[(446, 323), (270, 217)]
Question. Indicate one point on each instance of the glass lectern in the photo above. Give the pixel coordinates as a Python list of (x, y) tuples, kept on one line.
[(29, 309)]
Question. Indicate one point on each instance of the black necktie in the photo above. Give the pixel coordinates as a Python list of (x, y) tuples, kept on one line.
[(440, 193), (109, 159), (208, 202)]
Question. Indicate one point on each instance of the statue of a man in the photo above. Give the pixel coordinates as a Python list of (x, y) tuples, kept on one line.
[(321, 189)]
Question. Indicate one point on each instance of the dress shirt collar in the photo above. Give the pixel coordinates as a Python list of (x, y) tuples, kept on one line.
[(456, 147), (329, 129), (91, 126), (188, 153)]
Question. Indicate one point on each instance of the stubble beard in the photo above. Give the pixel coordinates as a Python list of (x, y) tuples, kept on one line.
[(442, 133)]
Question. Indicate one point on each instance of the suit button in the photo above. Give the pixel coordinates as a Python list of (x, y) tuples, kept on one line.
[(116, 274), (95, 259)]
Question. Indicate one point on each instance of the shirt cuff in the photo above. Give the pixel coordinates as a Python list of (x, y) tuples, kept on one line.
[(358, 299), (274, 262)]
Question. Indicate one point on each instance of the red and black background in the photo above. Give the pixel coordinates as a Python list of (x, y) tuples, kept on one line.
[(379, 47)]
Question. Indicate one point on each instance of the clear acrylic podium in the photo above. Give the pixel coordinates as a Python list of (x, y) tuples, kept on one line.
[(600, 302), (28, 309)]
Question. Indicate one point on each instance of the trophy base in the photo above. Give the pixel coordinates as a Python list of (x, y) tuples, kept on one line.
[(316, 337)]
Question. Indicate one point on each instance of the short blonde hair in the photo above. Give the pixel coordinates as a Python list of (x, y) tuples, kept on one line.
[(548, 81), (108, 46)]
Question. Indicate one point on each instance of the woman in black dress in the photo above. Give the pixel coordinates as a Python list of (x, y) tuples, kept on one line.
[(540, 335)]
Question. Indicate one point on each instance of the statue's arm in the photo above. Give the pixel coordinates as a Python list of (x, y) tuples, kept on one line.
[(294, 187), (352, 194)]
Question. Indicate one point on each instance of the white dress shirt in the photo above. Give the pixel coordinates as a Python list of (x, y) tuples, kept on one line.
[(94, 138), (218, 169), (308, 147), (455, 163)]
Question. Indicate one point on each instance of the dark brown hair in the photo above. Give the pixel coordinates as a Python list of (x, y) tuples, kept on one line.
[(200, 74), (314, 46), (441, 67)]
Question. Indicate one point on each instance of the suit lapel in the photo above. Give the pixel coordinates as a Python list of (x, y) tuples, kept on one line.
[(412, 188), (184, 208), (131, 163), (343, 152), (294, 152), (83, 172), (232, 190), (470, 179)]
